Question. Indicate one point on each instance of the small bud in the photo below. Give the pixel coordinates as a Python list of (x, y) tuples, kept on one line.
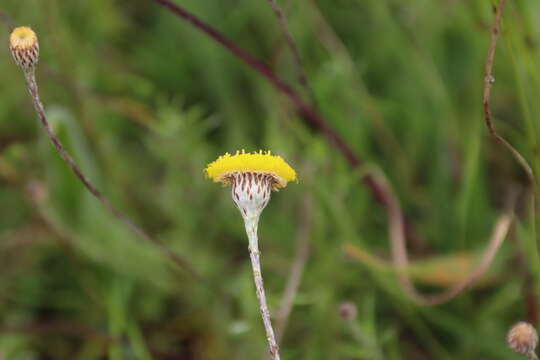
[(348, 311), (522, 338), (24, 46)]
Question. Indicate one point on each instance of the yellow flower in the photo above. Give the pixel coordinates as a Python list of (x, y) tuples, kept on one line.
[(252, 177), (263, 163), (24, 46), (22, 37)]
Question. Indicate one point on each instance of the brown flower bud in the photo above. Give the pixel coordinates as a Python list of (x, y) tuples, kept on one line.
[(24, 47), (522, 338)]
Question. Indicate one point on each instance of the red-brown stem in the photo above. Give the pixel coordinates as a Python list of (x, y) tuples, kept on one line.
[(488, 83)]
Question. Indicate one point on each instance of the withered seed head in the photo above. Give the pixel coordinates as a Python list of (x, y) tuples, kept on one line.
[(522, 338), (24, 46)]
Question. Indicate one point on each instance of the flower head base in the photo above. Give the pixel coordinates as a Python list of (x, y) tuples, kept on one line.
[(253, 176), (24, 46)]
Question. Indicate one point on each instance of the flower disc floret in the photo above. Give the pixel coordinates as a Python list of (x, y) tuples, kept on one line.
[(22, 37), (260, 162)]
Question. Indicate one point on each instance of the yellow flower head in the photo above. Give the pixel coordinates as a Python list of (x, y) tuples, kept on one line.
[(22, 37), (24, 46), (260, 162)]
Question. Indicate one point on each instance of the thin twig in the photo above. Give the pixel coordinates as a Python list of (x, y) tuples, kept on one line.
[(488, 83), (38, 106), (396, 229), (302, 78), (297, 269)]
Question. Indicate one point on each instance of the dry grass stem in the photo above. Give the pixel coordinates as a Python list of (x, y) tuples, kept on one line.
[(488, 83), (396, 229)]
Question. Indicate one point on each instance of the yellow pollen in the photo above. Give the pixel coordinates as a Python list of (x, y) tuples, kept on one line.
[(256, 162), (22, 38)]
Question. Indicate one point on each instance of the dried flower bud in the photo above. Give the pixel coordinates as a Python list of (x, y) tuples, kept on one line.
[(24, 46), (522, 338), (348, 311)]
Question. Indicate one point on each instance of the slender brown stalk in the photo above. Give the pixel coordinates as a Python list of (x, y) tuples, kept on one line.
[(488, 83), (302, 78), (38, 106)]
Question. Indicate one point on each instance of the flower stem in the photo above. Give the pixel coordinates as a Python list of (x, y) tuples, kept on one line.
[(33, 89), (251, 230), (31, 83)]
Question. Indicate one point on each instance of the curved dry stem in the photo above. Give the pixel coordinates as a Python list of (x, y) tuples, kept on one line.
[(254, 254), (396, 229), (488, 83), (40, 111)]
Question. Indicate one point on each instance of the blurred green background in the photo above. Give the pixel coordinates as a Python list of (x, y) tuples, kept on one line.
[(143, 101)]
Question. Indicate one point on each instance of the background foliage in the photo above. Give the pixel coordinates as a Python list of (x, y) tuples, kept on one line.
[(144, 102)]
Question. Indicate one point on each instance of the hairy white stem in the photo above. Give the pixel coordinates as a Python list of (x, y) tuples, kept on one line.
[(251, 230)]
